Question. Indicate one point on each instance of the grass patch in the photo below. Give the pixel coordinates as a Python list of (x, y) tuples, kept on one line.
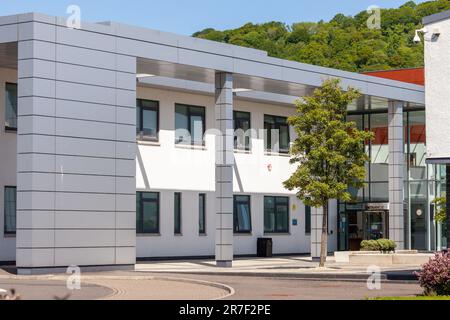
[(413, 298)]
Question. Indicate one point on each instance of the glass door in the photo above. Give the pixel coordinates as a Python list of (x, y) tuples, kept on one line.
[(375, 225)]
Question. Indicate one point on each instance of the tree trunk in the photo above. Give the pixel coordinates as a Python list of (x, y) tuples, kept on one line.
[(324, 238)]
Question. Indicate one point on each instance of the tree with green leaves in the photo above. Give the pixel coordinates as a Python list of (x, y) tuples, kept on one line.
[(329, 151), (440, 214)]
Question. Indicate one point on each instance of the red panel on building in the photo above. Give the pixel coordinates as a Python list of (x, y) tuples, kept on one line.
[(415, 75)]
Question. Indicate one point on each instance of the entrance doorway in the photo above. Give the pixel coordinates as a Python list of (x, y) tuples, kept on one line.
[(358, 225)]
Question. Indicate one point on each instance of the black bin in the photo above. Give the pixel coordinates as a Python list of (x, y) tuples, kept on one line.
[(264, 248)]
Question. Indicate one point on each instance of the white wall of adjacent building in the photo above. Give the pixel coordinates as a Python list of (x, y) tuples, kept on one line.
[(437, 93), (168, 168), (8, 159)]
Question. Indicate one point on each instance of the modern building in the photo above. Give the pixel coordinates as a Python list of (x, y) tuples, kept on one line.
[(119, 144), (437, 77)]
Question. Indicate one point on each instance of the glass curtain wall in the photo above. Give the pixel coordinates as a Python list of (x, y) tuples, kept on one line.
[(422, 182)]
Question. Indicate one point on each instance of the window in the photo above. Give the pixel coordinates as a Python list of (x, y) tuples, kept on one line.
[(147, 120), (11, 106), (189, 124), (277, 131), (307, 220), (202, 214), (147, 213), (242, 216), (177, 213), (241, 130), (276, 214), (10, 197)]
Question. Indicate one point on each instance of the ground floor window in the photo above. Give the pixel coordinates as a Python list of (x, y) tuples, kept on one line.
[(308, 220), (242, 216), (177, 213), (276, 214), (10, 197), (147, 213), (202, 214)]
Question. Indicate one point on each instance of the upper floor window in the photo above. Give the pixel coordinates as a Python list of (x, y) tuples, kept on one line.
[(11, 106), (277, 134), (276, 214), (242, 216), (242, 127), (10, 201), (189, 124), (147, 212), (147, 120)]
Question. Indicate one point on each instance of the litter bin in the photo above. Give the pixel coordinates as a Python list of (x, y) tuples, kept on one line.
[(264, 247)]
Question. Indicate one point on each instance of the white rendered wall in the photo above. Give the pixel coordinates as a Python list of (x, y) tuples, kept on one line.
[(8, 158), (437, 93), (166, 168)]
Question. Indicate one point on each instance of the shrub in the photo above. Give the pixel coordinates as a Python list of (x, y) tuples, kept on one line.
[(383, 245), (387, 245), (370, 245), (435, 275)]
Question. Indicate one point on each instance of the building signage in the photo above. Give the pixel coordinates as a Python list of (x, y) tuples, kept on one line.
[(377, 206)]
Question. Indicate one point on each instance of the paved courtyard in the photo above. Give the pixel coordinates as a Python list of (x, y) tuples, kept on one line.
[(286, 278)]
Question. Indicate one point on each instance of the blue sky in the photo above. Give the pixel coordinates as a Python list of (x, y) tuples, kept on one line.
[(188, 16)]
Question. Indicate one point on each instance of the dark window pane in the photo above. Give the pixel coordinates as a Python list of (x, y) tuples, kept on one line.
[(307, 219), (147, 119), (147, 212), (277, 134), (202, 214), (242, 127), (276, 214), (177, 213), (189, 124), (10, 210), (11, 106), (242, 215)]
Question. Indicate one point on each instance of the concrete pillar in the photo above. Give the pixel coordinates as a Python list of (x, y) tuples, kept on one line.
[(76, 151), (316, 232), (396, 175), (224, 169)]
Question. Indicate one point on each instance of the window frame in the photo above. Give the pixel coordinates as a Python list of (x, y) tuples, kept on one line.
[(202, 198), (235, 220), (274, 231), (140, 228), (235, 143), (140, 135), (8, 128), (276, 126), (6, 232), (178, 230), (189, 115)]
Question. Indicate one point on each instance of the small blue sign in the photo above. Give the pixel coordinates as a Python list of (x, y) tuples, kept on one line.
[(295, 222)]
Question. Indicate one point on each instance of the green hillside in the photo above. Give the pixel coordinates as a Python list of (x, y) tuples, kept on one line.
[(345, 42)]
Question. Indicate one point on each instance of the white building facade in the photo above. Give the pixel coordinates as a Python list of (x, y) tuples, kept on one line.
[(119, 145)]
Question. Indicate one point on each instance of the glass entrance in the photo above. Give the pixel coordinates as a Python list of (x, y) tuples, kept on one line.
[(375, 225)]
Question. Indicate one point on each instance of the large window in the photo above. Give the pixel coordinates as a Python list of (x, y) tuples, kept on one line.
[(147, 120), (242, 127), (10, 210), (242, 215), (177, 213), (189, 124), (202, 214), (11, 106), (276, 214), (307, 220), (277, 134), (147, 213)]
